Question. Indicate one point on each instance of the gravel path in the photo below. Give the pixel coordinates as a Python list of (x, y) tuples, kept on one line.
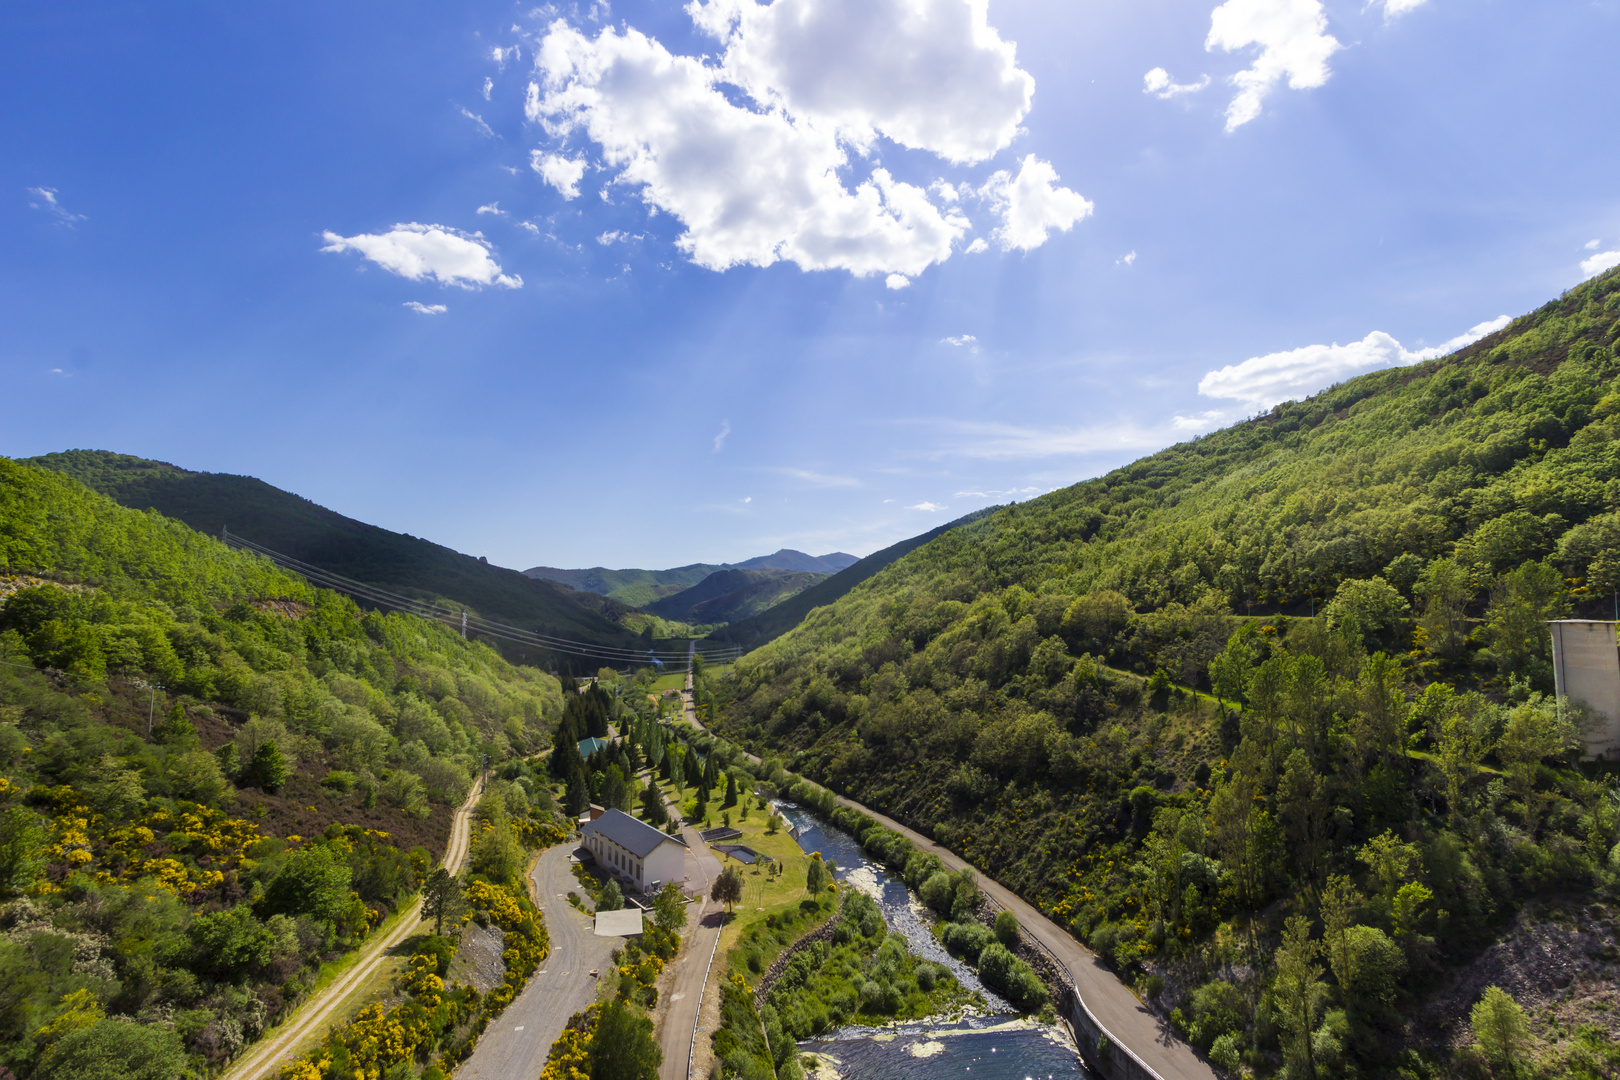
[(515, 1045), (268, 1055)]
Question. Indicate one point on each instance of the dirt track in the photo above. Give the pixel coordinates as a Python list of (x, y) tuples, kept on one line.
[(268, 1055)]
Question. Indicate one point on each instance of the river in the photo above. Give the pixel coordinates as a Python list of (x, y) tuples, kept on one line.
[(998, 1046)]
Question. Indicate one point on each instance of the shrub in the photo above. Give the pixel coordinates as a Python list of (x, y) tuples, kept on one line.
[(1007, 929), (968, 940)]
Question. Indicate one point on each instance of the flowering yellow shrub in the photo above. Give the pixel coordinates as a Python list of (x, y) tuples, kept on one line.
[(570, 1057)]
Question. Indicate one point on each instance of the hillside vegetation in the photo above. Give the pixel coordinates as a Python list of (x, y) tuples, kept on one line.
[(730, 595), (294, 526), (786, 614), (1291, 872), (215, 778), (640, 588)]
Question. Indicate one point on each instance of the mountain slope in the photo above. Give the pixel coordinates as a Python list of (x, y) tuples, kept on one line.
[(638, 588), (728, 595), (1395, 777), (787, 614), (788, 559), (215, 780), (297, 527)]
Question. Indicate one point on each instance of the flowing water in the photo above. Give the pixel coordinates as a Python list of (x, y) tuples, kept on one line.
[(998, 1046)]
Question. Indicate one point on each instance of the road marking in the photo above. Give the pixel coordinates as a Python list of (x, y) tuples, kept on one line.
[(518, 1028)]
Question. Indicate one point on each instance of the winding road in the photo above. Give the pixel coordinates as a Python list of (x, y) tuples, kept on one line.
[(267, 1056)]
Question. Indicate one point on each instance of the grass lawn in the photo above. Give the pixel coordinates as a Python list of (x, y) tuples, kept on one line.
[(675, 680)]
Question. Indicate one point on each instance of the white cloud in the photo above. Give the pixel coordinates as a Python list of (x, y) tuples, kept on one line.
[(492, 208), (752, 150), (1394, 9), (426, 309), (483, 128), (1128, 259), (531, 226), (50, 204), (1592, 245), (417, 251), (489, 84), (720, 439), (928, 507), (897, 281), (751, 187), (1157, 82), (929, 74), (1031, 490), (501, 56), (1030, 206), (748, 498), (977, 246), (1264, 381), (1204, 421), (1294, 45), (59, 371), (1603, 260), (965, 341), (562, 173)]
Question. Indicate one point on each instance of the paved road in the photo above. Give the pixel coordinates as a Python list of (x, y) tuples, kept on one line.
[(515, 1045), (1109, 1000), (269, 1055)]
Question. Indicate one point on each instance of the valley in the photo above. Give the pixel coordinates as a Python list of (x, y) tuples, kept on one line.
[(1245, 759)]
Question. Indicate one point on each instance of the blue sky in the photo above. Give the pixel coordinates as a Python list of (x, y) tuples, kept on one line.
[(738, 286)]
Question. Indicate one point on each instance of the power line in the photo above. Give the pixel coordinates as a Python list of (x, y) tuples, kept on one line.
[(384, 597)]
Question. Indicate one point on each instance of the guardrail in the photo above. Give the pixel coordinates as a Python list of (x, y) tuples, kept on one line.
[(1104, 1044)]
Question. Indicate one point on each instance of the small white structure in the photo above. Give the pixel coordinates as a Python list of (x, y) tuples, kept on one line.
[(625, 922), (1586, 668), (635, 851)]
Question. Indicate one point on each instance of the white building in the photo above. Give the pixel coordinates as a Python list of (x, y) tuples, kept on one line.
[(1586, 667), (635, 851)]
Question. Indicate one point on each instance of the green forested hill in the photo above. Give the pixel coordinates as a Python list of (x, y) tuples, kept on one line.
[(297, 527), (786, 614), (729, 595), (1395, 779), (213, 780)]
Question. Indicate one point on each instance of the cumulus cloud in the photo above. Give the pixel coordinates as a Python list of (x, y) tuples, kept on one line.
[(758, 151), (1603, 260), (417, 252), (562, 173), (44, 198), (1264, 381), (928, 507), (1030, 205), (979, 244), (426, 309), (751, 187), (492, 208), (1157, 82), (929, 74), (1204, 421), (1294, 45)]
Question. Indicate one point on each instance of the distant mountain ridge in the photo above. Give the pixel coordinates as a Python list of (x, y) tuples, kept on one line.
[(638, 588), (297, 527), (778, 619), (726, 596)]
